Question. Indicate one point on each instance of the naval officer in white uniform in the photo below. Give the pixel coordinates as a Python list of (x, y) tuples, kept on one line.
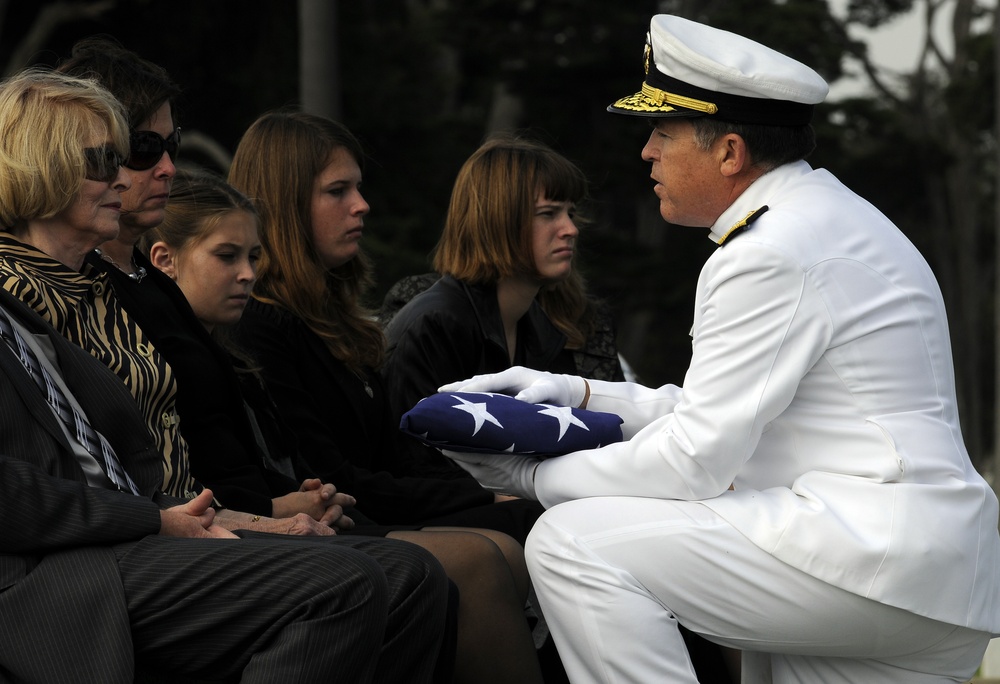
[(806, 495)]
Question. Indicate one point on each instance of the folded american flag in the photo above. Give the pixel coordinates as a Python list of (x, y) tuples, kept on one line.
[(497, 423)]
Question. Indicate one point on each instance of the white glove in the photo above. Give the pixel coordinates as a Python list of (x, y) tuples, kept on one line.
[(500, 473), (534, 387)]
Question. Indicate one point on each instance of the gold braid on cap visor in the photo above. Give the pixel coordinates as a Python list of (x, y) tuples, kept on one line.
[(652, 99), (661, 97)]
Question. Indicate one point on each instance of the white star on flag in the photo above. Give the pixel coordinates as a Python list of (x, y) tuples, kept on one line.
[(517, 427), (564, 414), (477, 411)]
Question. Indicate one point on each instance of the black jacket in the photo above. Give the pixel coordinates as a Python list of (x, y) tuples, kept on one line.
[(453, 331), (344, 431)]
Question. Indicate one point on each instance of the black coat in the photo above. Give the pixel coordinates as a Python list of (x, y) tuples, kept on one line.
[(344, 431)]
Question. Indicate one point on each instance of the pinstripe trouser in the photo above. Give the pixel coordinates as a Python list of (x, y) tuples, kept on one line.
[(286, 609)]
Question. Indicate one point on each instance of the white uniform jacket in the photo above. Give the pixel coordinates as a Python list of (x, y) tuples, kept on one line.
[(821, 387)]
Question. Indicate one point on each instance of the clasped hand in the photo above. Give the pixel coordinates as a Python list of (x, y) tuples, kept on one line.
[(320, 501)]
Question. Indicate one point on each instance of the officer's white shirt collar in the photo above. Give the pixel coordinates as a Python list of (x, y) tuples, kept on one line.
[(756, 196)]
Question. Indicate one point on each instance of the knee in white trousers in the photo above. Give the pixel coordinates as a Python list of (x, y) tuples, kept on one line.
[(615, 575)]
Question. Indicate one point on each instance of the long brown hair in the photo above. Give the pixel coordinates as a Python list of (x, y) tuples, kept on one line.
[(276, 164)]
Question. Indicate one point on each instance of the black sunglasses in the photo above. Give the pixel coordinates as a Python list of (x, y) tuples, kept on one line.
[(146, 148), (102, 164)]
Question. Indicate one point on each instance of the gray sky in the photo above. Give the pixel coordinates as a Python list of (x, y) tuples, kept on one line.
[(897, 45)]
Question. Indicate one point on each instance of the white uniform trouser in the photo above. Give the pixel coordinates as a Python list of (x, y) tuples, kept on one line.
[(614, 575)]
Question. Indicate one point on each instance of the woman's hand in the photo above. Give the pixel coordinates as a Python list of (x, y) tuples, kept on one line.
[(320, 501)]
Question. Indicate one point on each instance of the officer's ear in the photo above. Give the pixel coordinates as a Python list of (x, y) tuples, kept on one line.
[(734, 156), (164, 258)]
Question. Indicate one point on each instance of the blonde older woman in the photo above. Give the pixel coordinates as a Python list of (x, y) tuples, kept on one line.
[(62, 144)]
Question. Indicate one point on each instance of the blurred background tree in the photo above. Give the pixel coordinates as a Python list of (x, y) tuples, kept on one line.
[(423, 82)]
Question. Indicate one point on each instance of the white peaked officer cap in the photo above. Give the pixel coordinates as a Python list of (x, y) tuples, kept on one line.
[(697, 70)]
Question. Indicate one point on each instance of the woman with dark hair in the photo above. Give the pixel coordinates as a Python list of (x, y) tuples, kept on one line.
[(148, 95)]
